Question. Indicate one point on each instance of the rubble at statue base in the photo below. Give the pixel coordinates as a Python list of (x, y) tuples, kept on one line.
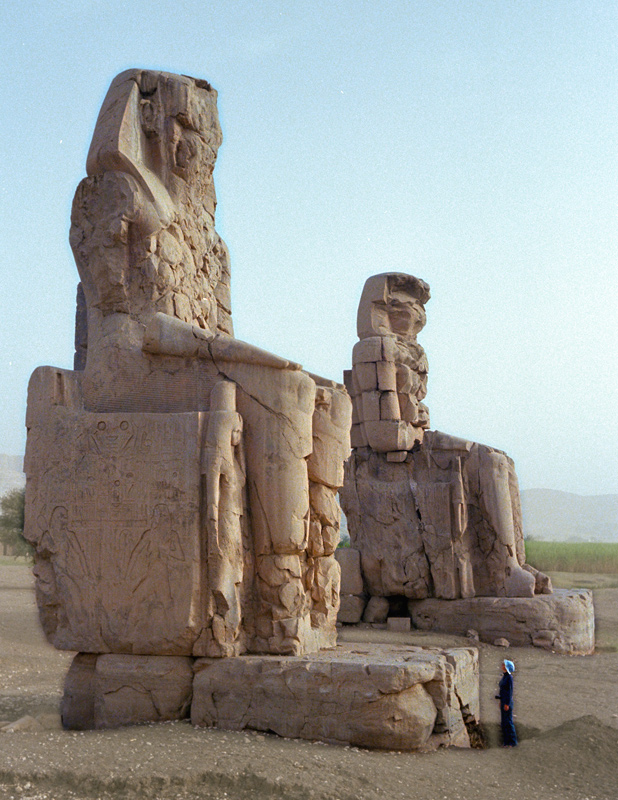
[(182, 485), (435, 521)]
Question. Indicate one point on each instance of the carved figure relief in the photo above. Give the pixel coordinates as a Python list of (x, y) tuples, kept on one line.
[(224, 482), (122, 547)]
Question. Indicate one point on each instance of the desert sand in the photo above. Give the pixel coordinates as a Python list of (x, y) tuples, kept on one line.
[(566, 715)]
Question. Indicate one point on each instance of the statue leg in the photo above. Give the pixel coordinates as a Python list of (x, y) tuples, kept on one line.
[(496, 502), (277, 409)]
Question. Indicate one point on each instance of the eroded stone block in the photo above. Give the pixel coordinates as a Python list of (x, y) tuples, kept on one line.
[(562, 621), (384, 697), (351, 577), (108, 691), (358, 437), (77, 706), (398, 624), (387, 376), (389, 406), (351, 607), (368, 349), (384, 436), (376, 610), (371, 406), (366, 376)]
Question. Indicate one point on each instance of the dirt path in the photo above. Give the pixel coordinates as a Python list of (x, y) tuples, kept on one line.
[(567, 718)]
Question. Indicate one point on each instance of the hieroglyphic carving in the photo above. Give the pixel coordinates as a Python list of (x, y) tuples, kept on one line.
[(117, 522)]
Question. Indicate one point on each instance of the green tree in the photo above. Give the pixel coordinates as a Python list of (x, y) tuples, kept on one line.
[(12, 523)]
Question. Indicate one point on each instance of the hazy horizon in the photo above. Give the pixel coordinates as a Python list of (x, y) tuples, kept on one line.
[(472, 146)]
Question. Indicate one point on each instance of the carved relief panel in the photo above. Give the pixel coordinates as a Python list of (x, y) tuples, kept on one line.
[(117, 524)]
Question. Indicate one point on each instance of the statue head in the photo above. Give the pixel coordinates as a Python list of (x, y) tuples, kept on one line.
[(59, 520), (143, 221), (157, 124), (392, 304)]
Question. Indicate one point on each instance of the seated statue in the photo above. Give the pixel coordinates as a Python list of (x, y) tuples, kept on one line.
[(432, 515), (181, 483)]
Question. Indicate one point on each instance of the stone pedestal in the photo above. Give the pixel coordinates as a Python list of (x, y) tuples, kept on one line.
[(369, 696), (107, 691), (376, 696), (562, 621)]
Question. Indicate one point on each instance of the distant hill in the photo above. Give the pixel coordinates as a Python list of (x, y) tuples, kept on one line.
[(11, 473), (550, 515)]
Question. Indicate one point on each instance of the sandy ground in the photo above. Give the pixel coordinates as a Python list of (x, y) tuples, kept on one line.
[(566, 715)]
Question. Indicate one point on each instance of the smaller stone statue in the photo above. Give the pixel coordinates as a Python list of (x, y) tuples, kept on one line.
[(432, 515), (389, 373)]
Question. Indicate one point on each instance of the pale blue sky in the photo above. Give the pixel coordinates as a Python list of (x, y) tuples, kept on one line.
[(472, 144)]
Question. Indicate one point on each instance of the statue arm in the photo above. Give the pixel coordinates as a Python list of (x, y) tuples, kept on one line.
[(165, 335)]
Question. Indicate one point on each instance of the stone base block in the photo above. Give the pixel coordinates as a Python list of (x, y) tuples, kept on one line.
[(351, 607), (106, 691), (399, 624), (351, 575), (562, 621), (376, 610), (375, 696)]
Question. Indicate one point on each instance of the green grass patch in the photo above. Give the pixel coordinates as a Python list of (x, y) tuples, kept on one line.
[(583, 580), (595, 557)]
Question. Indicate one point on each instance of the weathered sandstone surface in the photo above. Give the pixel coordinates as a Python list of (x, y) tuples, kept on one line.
[(181, 484), (352, 599), (404, 699), (562, 621), (106, 691), (434, 517)]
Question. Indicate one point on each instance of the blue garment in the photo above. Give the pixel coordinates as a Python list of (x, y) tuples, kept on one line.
[(509, 735), (506, 690)]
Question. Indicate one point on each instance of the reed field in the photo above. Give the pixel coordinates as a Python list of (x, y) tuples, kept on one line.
[(595, 557)]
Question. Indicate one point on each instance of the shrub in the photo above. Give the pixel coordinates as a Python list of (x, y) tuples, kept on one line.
[(12, 524)]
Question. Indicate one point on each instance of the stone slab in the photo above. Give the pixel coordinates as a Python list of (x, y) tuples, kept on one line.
[(108, 691), (375, 696), (351, 576), (351, 607), (400, 624), (376, 610), (562, 621)]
